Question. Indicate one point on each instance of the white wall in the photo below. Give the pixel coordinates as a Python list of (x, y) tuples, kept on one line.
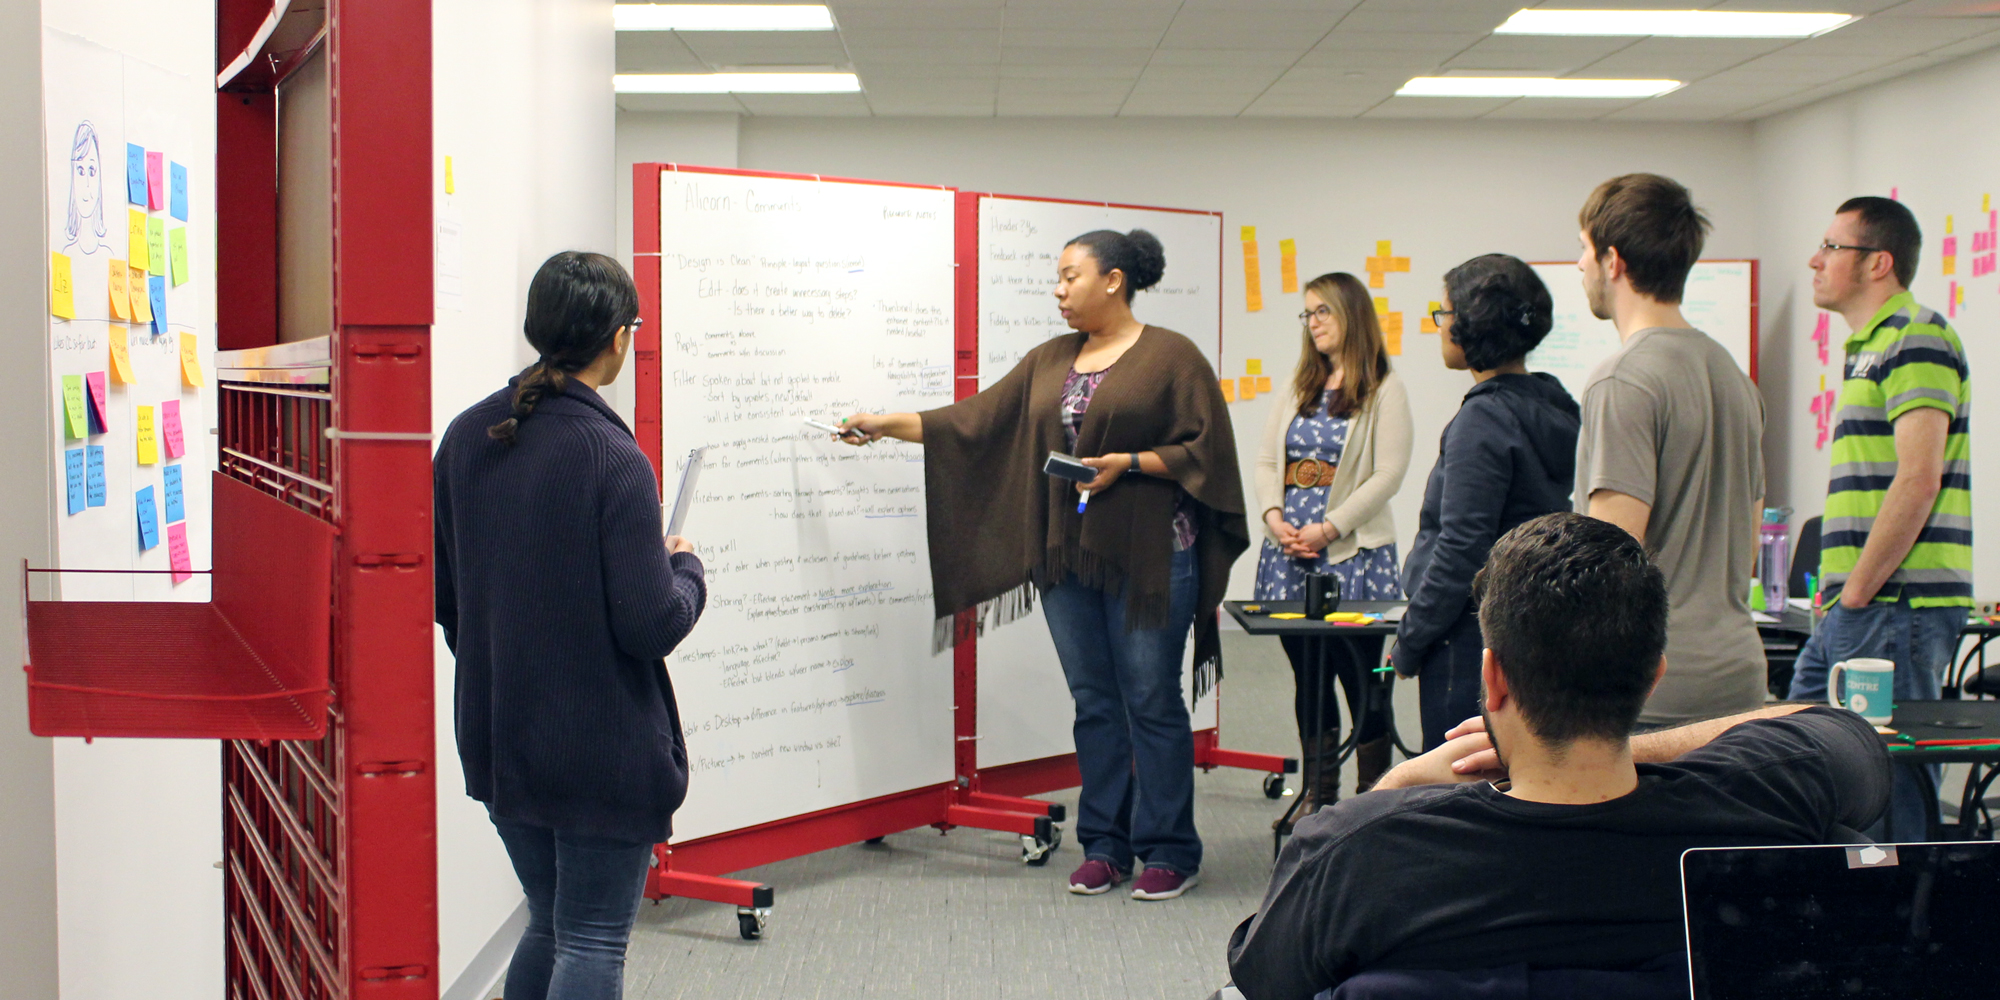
[(1932, 137), (523, 106), (1442, 191)]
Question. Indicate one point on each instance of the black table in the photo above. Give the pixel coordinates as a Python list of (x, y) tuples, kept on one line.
[(1317, 633), (1916, 722)]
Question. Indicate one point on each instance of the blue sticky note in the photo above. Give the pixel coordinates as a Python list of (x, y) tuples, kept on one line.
[(156, 286), (135, 174), (73, 471), (93, 475), (174, 510), (149, 521), (177, 204)]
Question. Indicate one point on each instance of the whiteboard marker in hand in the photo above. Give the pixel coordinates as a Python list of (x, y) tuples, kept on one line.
[(836, 431), (1083, 501)]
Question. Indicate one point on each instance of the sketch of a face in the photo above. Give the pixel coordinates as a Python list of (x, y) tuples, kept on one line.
[(86, 192)]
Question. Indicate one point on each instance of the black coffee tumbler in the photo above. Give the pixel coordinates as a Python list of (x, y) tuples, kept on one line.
[(1322, 595)]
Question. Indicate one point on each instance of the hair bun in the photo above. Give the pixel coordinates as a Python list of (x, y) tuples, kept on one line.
[(1149, 260)]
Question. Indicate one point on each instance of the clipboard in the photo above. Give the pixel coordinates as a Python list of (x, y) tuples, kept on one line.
[(684, 494)]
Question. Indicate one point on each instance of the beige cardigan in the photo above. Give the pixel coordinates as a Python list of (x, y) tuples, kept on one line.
[(1371, 470)]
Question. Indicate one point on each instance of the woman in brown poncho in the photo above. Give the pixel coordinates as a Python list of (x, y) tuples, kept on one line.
[(1121, 577)]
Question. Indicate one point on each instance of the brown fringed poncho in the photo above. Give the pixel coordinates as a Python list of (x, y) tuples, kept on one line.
[(1000, 527)]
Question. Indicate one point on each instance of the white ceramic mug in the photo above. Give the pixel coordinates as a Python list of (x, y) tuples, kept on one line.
[(1871, 688)]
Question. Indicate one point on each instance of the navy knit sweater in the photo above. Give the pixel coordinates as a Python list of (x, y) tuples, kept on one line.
[(560, 602)]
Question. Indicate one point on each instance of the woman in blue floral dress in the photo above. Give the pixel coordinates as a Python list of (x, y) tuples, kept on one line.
[(1330, 462)]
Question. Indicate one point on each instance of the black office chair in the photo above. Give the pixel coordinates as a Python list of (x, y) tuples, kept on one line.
[(1780, 656)]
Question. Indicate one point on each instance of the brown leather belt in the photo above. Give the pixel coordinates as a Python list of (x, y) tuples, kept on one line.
[(1307, 473)]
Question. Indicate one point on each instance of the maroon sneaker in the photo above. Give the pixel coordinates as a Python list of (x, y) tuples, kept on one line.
[(1161, 883), (1094, 876)]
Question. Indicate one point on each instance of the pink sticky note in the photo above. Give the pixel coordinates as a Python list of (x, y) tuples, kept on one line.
[(1821, 331), (170, 427), (156, 181), (1951, 301), (177, 551), (94, 381), (1894, 195), (1950, 246)]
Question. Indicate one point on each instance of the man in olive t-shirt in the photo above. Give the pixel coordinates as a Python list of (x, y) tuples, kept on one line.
[(1671, 445)]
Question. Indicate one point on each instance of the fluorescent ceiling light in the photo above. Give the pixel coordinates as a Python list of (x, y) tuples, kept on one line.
[(1672, 23), (721, 17), (1532, 86), (735, 83)]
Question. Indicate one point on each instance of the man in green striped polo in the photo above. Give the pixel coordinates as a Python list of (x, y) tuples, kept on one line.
[(1896, 542)]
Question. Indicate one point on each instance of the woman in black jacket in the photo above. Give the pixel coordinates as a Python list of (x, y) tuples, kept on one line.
[(560, 601), (1508, 456)]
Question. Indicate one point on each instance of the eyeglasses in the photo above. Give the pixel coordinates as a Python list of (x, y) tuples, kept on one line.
[(1825, 247), (1323, 312), (1438, 315)]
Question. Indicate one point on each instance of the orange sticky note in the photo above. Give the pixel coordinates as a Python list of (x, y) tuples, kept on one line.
[(190, 362), (62, 293), (1375, 278), (1228, 389), (121, 358), (1263, 383), (1246, 387), (1288, 266), (121, 302), (149, 444), (136, 239), (1253, 284), (1392, 341)]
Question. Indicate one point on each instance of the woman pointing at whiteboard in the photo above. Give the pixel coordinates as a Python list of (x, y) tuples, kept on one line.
[(1121, 576)]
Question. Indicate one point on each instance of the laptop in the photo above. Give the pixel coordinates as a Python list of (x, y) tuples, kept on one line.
[(1894, 921)]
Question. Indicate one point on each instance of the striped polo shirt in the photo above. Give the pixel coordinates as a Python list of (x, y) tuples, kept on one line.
[(1906, 357)]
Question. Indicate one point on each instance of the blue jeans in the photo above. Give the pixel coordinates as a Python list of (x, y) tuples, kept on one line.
[(1448, 682), (583, 894), (1133, 743), (1921, 642)]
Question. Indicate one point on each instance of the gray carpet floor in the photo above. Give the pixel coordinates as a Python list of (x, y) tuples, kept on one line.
[(959, 916)]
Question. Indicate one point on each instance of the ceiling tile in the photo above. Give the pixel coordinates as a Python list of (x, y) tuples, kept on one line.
[(815, 105), (1112, 38), (917, 15), (656, 52), (911, 37), (1434, 107), (1134, 57), (1682, 58), (767, 48), (1342, 42), (1273, 59), (1193, 77), (1033, 71), (1557, 109), (679, 102), (1477, 16), (864, 59), (1186, 105), (1030, 106)]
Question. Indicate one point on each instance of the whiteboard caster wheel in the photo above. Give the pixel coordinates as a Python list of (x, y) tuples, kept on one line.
[(1035, 850), (750, 921), (1274, 786)]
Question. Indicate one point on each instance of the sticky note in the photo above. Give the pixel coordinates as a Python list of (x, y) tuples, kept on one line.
[(93, 386), (149, 521), (1253, 366), (1947, 230), (1895, 194), (135, 239), (1383, 263), (1424, 323), (177, 251), (1263, 383), (1249, 234), (148, 445), (135, 174), (1986, 202), (1382, 248), (141, 296), (156, 181), (93, 475), (176, 511), (73, 478), (177, 552), (121, 295), (75, 424), (1822, 331), (177, 199), (156, 246), (121, 358), (1228, 390), (1253, 284), (1246, 388), (156, 286), (450, 185), (190, 362), (1286, 615), (62, 291), (1288, 266), (1381, 305), (170, 429)]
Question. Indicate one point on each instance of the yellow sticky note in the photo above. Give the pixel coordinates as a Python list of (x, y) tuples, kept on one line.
[(1263, 383), (1382, 248), (1822, 383), (1381, 305), (142, 303), (1986, 203), (156, 246), (62, 292), (77, 425), (1249, 233), (190, 362), (1246, 388), (1228, 389), (450, 187), (121, 358), (1253, 366), (177, 244), (1287, 615), (1960, 292), (1947, 225), (135, 238), (149, 445), (121, 303)]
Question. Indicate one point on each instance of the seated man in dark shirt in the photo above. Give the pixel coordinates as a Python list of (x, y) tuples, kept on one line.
[(1541, 834)]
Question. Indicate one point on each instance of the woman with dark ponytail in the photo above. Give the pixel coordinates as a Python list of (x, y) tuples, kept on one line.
[(1508, 456), (560, 601), (1124, 563)]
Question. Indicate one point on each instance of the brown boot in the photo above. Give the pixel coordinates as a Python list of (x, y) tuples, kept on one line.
[(1323, 788), (1371, 760)]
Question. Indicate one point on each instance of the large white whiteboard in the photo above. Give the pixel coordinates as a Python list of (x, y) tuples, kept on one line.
[(1025, 708), (1719, 300), (809, 682)]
